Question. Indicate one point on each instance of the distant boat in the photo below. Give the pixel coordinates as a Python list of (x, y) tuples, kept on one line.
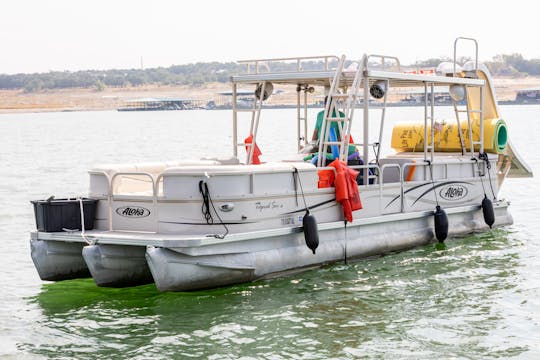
[(528, 96), (158, 104)]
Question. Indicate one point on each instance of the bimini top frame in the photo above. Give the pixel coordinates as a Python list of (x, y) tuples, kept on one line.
[(260, 74)]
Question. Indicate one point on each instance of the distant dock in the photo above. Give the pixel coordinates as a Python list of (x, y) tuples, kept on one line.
[(161, 104)]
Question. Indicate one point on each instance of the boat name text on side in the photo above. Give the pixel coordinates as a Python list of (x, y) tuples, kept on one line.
[(268, 206), (453, 192), (129, 211)]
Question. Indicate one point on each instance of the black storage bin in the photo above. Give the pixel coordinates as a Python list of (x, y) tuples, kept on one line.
[(58, 214)]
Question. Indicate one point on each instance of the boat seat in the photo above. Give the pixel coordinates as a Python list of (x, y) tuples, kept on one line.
[(134, 184), (224, 161), (238, 181), (154, 168)]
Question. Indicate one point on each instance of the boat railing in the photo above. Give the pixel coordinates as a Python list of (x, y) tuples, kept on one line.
[(383, 62), (289, 64), (375, 178), (475, 52), (477, 167), (111, 197)]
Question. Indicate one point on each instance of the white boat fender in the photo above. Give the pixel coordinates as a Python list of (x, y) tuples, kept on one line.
[(487, 210), (441, 224), (309, 223)]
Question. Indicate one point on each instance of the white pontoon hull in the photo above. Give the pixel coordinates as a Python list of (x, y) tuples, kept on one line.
[(247, 257)]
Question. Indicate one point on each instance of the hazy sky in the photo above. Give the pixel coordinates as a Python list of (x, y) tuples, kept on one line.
[(39, 35)]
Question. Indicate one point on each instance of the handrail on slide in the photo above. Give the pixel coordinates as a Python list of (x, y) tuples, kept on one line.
[(455, 52)]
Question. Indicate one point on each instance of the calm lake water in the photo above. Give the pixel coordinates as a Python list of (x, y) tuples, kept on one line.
[(478, 298)]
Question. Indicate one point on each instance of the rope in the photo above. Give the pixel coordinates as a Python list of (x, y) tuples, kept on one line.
[(203, 189), (481, 175), (207, 202), (345, 245), (485, 157), (433, 182), (297, 175), (83, 235)]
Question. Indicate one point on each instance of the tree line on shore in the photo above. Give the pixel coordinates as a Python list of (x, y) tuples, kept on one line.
[(198, 74)]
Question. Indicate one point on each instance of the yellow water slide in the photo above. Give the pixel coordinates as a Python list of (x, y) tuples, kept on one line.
[(518, 167), (410, 136)]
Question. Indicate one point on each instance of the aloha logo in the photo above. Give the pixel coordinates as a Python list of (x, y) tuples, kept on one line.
[(133, 212), (453, 192)]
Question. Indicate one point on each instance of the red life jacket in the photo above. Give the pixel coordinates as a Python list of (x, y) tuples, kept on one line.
[(346, 188), (256, 152)]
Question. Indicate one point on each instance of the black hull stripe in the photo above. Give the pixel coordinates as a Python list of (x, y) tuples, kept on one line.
[(432, 188)]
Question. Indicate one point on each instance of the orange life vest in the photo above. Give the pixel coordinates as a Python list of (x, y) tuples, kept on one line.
[(346, 188), (256, 152)]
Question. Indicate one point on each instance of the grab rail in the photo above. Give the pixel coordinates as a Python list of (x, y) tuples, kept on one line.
[(455, 52), (383, 59), (257, 63), (472, 162), (378, 175), (400, 177), (111, 194)]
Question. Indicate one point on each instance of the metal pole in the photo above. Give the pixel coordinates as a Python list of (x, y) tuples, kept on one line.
[(306, 135), (432, 111), (425, 122), (235, 122), (255, 124), (366, 120), (481, 119), (298, 116), (383, 116)]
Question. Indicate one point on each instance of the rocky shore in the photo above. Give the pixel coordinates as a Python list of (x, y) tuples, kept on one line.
[(113, 98)]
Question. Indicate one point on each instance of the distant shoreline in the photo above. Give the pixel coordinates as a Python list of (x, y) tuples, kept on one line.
[(77, 99)]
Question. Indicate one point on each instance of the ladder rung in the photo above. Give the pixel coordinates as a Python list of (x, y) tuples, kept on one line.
[(332, 143), (470, 111), (336, 118), (359, 144)]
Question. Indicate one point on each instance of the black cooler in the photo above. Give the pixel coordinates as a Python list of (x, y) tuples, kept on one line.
[(54, 215)]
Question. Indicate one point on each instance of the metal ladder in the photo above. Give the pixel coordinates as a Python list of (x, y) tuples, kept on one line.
[(472, 114), (466, 109), (332, 113), (255, 112), (302, 114)]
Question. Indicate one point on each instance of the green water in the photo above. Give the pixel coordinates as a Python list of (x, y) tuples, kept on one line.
[(477, 297), (421, 302)]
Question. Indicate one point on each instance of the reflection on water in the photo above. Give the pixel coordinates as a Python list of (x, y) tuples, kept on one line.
[(421, 302)]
